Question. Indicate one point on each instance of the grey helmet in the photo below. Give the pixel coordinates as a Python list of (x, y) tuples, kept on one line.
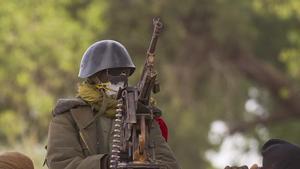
[(103, 55)]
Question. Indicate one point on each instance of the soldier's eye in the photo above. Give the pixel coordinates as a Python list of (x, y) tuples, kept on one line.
[(118, 72)]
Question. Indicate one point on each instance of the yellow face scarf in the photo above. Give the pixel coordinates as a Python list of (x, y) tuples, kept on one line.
[(95, 95)]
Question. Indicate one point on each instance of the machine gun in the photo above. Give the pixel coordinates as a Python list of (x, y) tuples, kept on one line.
[(131, 145)]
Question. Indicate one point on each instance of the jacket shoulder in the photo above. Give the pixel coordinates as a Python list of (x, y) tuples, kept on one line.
[(64, 105)]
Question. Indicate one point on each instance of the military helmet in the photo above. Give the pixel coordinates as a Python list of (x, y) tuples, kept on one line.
[(102, 55)]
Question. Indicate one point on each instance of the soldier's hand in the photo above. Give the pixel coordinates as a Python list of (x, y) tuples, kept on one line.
[(141, 108)]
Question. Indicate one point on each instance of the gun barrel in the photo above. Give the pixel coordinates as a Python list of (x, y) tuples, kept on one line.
[(157, 29), (147, 80)]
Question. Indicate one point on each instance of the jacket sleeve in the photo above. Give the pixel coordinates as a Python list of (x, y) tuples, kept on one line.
[(64, 150), (163, 152)]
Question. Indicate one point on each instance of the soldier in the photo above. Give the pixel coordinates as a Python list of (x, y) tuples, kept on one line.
[(277, 154), (80, 131)]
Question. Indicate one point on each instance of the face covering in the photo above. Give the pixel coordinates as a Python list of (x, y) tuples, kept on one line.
[(95, 97), (112, 89), (113, 84)]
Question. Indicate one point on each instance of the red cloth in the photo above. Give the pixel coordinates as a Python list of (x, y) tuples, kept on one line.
[(163, 127)]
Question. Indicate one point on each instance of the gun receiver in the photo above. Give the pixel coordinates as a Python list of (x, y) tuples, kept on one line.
[(131, 146)]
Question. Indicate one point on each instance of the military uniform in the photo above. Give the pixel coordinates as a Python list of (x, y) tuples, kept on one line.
[(79, 137)]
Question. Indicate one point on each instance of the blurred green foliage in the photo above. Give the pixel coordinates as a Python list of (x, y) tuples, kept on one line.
[(42, 43)]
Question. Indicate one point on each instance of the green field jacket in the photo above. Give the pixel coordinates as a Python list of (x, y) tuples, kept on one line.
[(75, 141)]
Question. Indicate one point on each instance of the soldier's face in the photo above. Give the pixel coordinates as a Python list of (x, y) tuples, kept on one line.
[(118, 71), (113, 76)]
